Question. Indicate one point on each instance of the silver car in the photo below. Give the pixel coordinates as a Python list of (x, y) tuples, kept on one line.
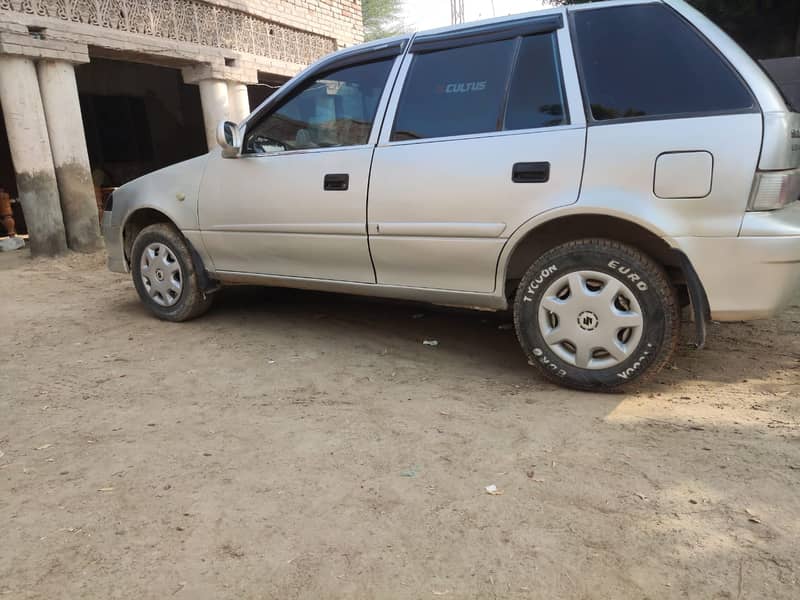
[(594, 168)]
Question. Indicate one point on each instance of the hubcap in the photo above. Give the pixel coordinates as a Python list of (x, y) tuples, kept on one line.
[(591, 320), (161, 274)]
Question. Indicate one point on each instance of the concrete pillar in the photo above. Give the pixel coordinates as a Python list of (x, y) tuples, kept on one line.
[(214, 97), (239, 101), (70, 157), (26, 127)]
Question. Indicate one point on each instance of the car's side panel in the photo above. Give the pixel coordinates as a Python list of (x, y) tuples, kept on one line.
[(767, 270), (419, 188), (269, 214), (618, 181), (581, 208), (299, 212), (473, 300), (171, 191), (619, 176), (451, 263), (620, 169)]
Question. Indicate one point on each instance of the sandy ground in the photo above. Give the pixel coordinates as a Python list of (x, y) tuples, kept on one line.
[(300, 445)]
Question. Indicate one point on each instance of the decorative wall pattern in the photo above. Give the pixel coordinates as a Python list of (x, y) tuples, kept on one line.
[(190, 21)]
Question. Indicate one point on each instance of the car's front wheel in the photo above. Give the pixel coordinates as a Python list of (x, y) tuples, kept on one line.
[(165, 275), (596, 314)]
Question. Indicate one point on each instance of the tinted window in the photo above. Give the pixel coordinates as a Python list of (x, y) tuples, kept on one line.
[(535, 98), (646, 61), (335, 110), (454, 92)]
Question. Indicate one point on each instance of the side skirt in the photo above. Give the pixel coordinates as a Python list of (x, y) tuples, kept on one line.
[(473, 300)]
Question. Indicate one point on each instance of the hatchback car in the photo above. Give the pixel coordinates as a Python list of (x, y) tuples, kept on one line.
[(592, 167)]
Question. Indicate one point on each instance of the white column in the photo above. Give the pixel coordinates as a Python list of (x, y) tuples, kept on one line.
[(239, 101), (30, 152), (214, 97), (70, 157)]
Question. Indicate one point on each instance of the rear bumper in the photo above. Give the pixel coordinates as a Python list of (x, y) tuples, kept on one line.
[(753, 276), (114, 249)]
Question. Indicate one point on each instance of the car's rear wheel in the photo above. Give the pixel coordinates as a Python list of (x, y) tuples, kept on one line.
[(165, 275), (596, 314)]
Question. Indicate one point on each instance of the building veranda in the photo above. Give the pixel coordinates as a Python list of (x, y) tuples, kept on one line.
[(94, 94)]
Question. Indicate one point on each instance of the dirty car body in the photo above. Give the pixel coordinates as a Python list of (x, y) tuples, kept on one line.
[(481, 165)]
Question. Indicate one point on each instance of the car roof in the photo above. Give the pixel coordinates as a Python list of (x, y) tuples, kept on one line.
[(476, 25), (397, 44)]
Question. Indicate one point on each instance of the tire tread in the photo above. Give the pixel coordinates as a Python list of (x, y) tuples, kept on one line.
[(196, 302), (657, 276)]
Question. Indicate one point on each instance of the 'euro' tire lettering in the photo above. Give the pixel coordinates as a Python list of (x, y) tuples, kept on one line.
[(628, 274), (643, 279)]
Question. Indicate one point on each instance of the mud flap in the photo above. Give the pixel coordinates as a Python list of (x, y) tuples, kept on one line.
[(698, 299), (208, 284)]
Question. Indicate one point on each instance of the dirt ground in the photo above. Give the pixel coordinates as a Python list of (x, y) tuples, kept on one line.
[(300, 445)]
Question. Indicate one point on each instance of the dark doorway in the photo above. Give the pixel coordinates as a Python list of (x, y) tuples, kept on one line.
[(138, 118), (8, 180)]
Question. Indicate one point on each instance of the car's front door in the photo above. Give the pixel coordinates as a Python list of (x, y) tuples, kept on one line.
[(293, 203)]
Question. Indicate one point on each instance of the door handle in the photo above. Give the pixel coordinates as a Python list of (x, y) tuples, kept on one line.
[(531, 172), (336, 182)]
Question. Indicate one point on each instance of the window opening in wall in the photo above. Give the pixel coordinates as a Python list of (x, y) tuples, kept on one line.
[(36, 33)]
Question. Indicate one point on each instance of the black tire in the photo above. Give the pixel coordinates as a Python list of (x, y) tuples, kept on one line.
[(642, 278), (192, 301)]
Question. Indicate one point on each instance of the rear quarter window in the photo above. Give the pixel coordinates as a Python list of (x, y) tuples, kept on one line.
[(645, 61)]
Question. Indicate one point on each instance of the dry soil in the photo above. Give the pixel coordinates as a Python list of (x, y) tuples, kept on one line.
[(301, 445)]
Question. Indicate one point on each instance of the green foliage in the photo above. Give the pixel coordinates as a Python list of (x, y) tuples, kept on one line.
[(382, 18), (765, 28)]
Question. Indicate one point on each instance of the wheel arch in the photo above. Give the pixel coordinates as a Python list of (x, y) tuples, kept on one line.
[(525, 246), (137, 220), (144, 217)]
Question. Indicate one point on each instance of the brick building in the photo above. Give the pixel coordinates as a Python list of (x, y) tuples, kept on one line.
[(97, 92)]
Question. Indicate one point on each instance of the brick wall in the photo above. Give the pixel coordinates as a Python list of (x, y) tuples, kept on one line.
[(340, 19)]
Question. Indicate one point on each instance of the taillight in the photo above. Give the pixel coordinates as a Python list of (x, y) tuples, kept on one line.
[(774, 189)]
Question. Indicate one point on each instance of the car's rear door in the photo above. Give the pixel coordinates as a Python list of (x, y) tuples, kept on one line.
[(481, 136)]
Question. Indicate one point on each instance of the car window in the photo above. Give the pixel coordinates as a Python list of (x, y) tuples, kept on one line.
[(645, 60), (334, 110), (457, 91), (536, 97)]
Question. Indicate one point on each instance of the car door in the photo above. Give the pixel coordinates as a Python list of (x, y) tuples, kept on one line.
[(293, 203), (478, 139)]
